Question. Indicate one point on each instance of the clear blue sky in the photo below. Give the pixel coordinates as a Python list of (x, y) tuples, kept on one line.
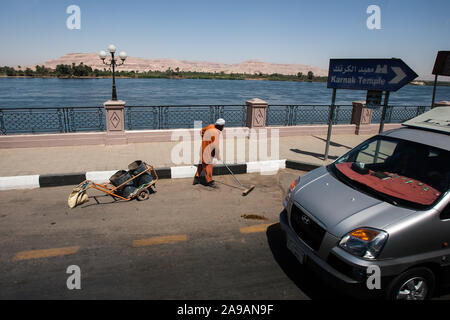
[(229, 31)]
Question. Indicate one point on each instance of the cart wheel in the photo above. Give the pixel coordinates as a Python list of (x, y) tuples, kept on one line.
[(143, 195)]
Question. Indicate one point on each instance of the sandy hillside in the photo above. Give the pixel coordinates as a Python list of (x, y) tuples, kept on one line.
[(141, 64)]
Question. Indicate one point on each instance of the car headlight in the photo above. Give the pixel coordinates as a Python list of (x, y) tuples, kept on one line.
[(364, 242), (291, 191)]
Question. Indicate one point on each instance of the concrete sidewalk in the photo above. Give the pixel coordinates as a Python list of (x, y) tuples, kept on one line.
[(73, 159)]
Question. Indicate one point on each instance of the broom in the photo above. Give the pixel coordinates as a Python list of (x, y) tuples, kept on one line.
[(246, 190)]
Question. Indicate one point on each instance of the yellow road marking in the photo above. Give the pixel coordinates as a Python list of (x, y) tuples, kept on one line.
[(46, 253), (159, 240), (256, 228)]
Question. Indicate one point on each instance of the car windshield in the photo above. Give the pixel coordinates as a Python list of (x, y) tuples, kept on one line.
[(397, 171)]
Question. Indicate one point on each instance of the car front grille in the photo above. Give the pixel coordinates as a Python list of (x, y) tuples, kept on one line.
[(307, 229)]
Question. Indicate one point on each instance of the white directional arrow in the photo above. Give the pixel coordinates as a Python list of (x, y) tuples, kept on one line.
[(399, 75)]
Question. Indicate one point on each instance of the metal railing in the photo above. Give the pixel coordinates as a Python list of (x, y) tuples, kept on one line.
[(51, 120), (82, 119), (398, 113), (171, 117), (292, 115)]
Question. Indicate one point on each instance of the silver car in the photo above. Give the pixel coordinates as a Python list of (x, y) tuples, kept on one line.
[(381, 210)]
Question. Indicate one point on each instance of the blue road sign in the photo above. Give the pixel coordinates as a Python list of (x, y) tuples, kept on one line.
[(369, 74)]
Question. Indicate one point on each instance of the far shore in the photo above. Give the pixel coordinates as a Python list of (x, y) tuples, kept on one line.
[(219, 77)]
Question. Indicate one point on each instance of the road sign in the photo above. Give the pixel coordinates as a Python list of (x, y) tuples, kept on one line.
[(442, 64), (369, 74)]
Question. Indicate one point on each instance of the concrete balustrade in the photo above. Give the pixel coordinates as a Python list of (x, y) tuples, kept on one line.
[(361, 117), (256, 113), (256, 118), (115, 122)]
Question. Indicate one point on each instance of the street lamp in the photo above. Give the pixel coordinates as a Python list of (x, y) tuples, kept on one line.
[(113, 64)]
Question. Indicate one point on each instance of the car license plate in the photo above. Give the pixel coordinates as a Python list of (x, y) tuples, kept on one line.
[(296, 250)]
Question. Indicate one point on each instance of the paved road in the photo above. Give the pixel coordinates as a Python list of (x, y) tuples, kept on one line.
[(185, 242)]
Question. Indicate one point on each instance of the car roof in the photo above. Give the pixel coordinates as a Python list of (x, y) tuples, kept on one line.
[(437, 119), (432, 138)]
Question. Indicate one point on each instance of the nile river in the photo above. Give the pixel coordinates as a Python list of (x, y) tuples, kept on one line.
[(53, 92)]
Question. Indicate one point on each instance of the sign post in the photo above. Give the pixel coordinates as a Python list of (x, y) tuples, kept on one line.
[(330, 123), (441, 68), (383, 118), (367, 74), (383, 113)]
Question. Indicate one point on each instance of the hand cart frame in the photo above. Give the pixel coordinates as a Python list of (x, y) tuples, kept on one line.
[(142, 192)]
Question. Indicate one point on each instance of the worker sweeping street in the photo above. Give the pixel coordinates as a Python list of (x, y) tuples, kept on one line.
[(210, 150)]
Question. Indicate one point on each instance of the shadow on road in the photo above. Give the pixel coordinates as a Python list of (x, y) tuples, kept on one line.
[(333, 144), (305, 279), (313, 154), (106, 199)]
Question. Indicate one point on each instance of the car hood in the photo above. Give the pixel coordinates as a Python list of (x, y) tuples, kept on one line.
[(340, 208)]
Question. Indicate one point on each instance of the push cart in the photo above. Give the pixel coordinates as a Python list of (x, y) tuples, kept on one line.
[(124, 185)]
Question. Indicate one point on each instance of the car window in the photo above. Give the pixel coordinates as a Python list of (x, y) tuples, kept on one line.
[(401, 170), (376, 152)]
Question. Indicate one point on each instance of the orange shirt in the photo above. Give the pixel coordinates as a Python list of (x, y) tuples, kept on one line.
[(210, 143)]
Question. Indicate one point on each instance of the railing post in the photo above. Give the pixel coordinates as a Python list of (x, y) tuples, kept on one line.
[(100, 118), (60, 113), (115, 122), (256, 113), (2, 123), (67, 120), (293, 115)]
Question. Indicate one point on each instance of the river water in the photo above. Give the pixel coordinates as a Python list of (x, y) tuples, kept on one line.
[(53, 92)]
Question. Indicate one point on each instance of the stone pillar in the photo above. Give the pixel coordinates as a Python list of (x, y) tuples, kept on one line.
[(360, 115), (442, 104), (115, 123), (256, 113)]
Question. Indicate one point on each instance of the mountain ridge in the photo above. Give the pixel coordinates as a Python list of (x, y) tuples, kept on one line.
[(251, 66)]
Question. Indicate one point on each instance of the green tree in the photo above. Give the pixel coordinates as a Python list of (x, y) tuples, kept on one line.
[(10, 72), (29, 72), (310, 75), (42, 70), (63, 70)]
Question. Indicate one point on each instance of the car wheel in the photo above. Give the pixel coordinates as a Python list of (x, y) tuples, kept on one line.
[(413, 284)]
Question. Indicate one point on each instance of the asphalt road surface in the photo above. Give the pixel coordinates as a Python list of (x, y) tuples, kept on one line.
[(185, 242)]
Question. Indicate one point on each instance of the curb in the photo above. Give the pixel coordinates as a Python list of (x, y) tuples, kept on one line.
[(303, 166), (57, 180)]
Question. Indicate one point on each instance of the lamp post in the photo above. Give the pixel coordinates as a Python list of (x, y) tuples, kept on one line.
[(113, 64)]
